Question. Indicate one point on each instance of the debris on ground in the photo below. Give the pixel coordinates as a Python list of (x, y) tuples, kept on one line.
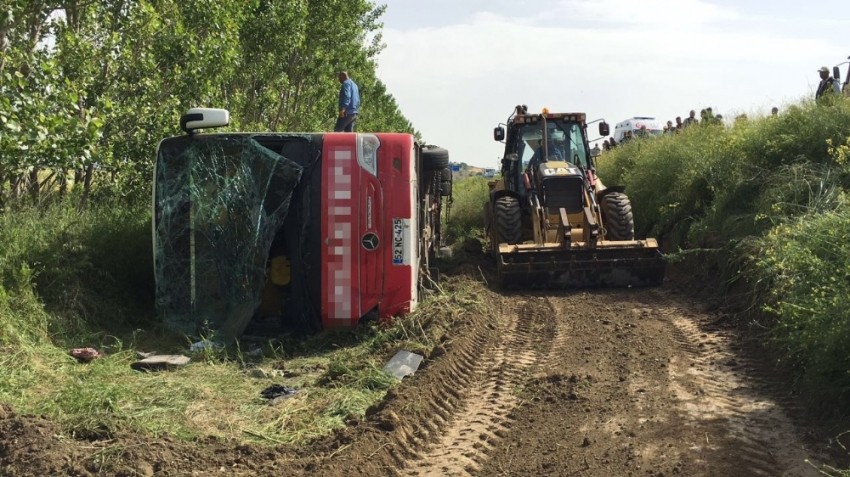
[(278, 392), (143, 355), (203, 345), (404, 363), (84, 355), (161, 362), (258, 351)]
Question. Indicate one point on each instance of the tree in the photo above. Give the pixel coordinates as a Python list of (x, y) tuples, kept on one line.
[(87, 89)]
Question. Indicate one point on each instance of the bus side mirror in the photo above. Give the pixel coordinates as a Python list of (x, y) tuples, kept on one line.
[(835, 73), (604, 130), (499, 133)]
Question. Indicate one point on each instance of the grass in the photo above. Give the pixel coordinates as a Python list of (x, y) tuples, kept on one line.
[(467, 209), (72, 279), (804, 268)]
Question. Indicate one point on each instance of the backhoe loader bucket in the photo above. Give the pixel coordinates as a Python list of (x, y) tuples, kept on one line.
[(611, 264)]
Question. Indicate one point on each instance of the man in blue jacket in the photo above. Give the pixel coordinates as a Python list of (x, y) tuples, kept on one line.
[(349, 104)]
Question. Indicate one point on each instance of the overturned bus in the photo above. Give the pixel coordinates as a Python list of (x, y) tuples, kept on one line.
[(314, 230)]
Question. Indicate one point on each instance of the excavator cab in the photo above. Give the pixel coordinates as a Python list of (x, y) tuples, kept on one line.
[(551, 221)]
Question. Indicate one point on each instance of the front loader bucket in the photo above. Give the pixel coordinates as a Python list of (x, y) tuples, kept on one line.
[(611, 264)]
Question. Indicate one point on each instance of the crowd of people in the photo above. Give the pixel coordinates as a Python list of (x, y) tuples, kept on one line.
[(706, 117), (827, 86)]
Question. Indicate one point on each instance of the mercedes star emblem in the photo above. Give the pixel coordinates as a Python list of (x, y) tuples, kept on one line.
[(369, 241)]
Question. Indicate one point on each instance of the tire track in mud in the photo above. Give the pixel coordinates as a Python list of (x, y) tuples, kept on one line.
[(526, 328), (716, 384), (451, 380)]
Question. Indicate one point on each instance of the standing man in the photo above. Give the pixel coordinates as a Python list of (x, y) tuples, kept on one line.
[(827, 83), (691, 119), (595, 151), (349, 104)]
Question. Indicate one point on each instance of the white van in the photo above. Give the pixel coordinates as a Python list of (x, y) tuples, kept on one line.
[(653, 127)]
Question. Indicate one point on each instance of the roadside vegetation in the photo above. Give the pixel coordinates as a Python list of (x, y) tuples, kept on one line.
[(766, 201)]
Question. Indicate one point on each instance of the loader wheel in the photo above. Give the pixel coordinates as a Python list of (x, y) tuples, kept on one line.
[(434, 158), (508, 220), (446, 182), (445, 188), (617, 216), (446, 175)]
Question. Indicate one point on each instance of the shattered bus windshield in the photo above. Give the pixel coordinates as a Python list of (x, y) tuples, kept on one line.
[(220, 201)]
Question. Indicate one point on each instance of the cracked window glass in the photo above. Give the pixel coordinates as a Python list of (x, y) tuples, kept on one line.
[(220, 201)]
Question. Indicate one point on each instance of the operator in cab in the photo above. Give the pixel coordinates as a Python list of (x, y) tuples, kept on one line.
[(554, 150)]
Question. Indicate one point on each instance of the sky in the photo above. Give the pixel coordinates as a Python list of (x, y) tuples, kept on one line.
[(458, 67)]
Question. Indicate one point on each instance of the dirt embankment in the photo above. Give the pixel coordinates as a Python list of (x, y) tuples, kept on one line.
[(590, 383)]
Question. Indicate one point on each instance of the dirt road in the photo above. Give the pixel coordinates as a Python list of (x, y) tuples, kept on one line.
[(590, 383), (600, 383)]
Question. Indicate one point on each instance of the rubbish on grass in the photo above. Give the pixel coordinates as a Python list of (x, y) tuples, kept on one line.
[(205, 344), (84, 355), (161, 362), (276, 391), (404, 363)]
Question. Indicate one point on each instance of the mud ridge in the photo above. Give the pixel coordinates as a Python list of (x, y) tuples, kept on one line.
[(484, 416), (400, 433)]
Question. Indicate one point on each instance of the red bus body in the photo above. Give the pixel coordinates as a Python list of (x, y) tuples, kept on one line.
[(369, 231)]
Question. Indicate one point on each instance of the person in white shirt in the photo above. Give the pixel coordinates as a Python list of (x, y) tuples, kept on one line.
[(827, 83)]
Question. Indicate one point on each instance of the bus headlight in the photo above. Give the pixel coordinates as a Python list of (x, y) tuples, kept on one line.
[(367, 152)]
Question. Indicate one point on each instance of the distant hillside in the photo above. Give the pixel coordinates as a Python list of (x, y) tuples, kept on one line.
[(468, 171)]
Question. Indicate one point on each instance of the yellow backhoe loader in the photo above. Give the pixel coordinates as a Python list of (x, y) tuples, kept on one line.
[(551, 222)]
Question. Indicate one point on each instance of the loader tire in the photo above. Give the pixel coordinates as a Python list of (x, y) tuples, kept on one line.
[(508, 220), (617, 215), (434, 158), (446, 175), (446, 188), (446, 182)]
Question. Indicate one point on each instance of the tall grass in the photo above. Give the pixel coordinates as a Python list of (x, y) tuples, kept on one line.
[(804, 271), (769, 195), (466, 219), (68, 271), (71, 278)]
